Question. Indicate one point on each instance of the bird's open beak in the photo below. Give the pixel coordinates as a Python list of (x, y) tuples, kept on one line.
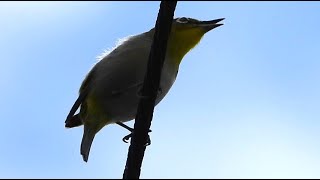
[(209, 25)]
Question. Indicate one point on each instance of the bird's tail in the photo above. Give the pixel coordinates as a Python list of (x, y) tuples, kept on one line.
[(87, 139)]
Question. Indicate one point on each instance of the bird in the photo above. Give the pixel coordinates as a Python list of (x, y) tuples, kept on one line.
[(109, 93)]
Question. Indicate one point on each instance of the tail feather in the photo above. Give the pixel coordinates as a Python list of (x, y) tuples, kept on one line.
[(75, 107), (87, 139), (75, 121)]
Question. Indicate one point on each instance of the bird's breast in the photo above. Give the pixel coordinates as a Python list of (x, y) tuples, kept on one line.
[(120, 94)]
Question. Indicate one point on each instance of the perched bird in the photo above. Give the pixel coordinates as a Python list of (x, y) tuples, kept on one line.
[(110, 91)]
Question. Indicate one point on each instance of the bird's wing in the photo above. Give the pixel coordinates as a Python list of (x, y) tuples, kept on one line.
[(125, 69), (122, 71), (83, 92)]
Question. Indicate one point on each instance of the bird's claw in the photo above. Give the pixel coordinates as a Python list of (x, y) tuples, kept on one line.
[(127, 137)]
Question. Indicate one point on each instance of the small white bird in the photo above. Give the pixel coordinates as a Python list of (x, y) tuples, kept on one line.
[(109, 93)]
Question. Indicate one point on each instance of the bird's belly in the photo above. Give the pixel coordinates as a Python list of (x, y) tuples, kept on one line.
[(122, 106)]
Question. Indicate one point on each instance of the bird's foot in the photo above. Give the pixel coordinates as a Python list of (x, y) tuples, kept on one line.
[(127, 137)]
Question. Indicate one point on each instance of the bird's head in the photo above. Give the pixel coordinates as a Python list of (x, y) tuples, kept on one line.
[(186, 33)]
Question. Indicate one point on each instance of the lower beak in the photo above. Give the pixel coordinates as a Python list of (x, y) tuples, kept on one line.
[(209, 25)]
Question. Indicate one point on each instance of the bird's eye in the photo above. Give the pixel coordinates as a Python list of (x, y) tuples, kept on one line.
[(182, 20)]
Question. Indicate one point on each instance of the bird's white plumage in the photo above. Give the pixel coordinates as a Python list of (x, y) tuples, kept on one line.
[(119, 75)]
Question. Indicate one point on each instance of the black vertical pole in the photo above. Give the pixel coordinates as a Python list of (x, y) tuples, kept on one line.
[(149, 90)]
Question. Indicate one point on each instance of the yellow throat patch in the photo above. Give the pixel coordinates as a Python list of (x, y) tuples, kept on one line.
[(182, 40)]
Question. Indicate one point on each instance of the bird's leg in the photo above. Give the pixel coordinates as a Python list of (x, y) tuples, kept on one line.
[(125, 126), (127, 137)]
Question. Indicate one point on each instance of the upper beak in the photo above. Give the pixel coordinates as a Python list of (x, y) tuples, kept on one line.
[(209, 25)]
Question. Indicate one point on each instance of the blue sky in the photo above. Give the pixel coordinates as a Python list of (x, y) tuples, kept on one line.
[(245, 103)]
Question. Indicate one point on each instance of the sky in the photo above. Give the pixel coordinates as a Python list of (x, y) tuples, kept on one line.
[(245, 103)]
